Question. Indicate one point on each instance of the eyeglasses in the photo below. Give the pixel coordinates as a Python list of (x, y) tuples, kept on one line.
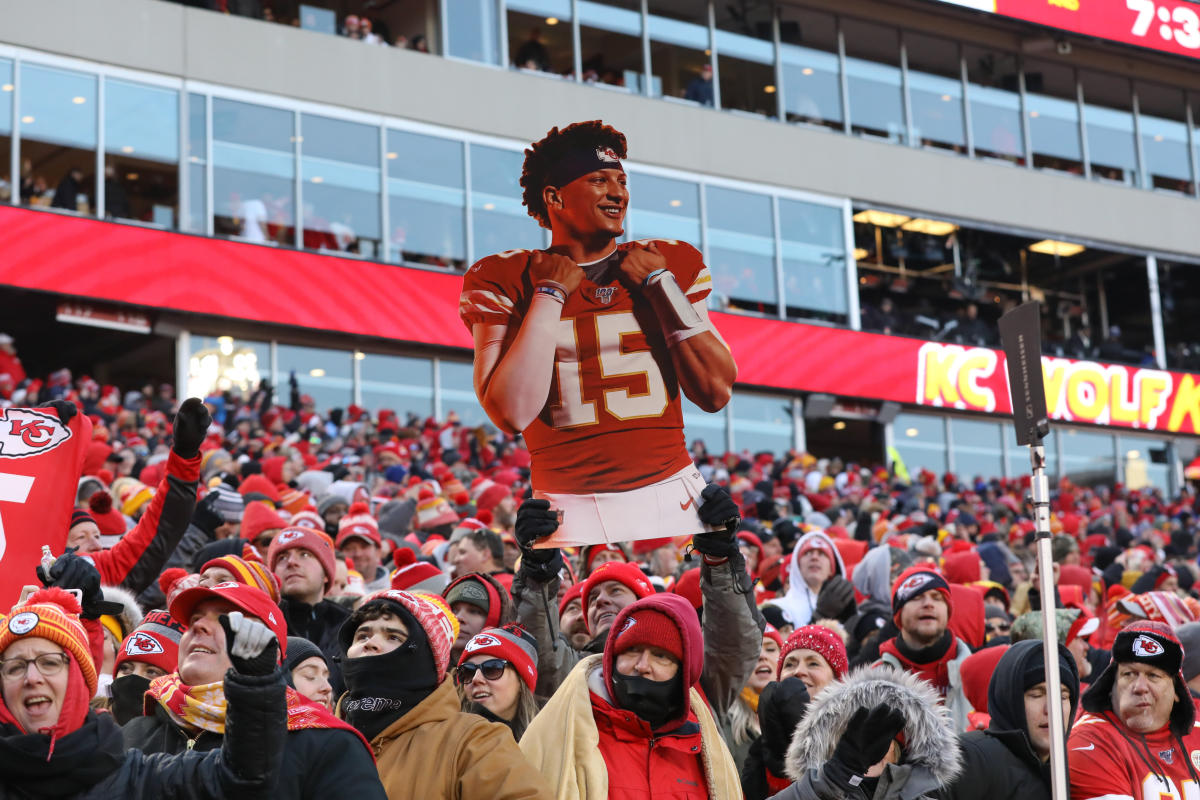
[(48, 664), (493, 668)]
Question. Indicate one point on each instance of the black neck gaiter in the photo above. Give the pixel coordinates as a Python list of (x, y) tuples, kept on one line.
[(382, 689), (656, 702), (128, 699), (926, 655)]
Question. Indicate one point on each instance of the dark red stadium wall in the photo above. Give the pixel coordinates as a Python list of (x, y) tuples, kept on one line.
[(253, 283)]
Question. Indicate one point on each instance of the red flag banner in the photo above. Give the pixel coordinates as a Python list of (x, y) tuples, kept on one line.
[(40, 463)]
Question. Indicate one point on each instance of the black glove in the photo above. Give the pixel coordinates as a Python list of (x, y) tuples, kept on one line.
[(65, 411), (866, 740), (205, 516), (70, 571), (836, 599), (717, 509), (251, 645), (781, 706), (191, 426), (535, 520)]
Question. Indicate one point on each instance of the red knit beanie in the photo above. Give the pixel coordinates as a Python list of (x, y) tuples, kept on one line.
[(315, 542), (649, 627), (820, 640), (628, 574)]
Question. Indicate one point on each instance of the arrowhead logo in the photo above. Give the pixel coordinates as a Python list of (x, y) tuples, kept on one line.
[(26, 432), (480, 641), (142, 644), (1146, 647)]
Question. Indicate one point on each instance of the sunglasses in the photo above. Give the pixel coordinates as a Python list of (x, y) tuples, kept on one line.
[(493, 668), (998, 628)]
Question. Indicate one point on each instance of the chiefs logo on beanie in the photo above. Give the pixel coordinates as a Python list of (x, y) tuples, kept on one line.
[(914, 582)]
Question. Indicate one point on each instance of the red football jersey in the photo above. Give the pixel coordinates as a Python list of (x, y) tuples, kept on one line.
[(612, 421), (1109, 763)]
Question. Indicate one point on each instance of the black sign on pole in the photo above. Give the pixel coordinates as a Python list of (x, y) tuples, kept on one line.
[(1021, 334)]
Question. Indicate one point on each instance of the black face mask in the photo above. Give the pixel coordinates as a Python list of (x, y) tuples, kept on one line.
[(656, 702), (127, 697), (381, 689)]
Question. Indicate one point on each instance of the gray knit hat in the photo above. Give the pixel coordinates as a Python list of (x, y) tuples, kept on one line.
[(229, 504)]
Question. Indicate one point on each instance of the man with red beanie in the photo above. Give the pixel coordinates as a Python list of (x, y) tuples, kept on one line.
[(630, 720), (921, 609), (358, 538), (303, 561), (187, 709)]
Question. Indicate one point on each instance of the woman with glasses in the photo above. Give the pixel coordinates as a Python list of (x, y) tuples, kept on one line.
[(496, 676), (52, 745)]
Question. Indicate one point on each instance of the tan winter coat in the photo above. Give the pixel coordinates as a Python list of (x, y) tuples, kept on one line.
[(438, 752)]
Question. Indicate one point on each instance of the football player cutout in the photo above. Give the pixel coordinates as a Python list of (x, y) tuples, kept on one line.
[(584, 348)]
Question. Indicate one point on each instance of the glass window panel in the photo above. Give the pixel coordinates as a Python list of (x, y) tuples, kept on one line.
[(58, 106), (761, 423), (699, 425), (471, 27), (397, 382), (1018, 455), (921, 442), (58, 138), (873, 80), (610, 41), (225, 364), (1108, 114), (541, 42), (499, 220), (1179, 290), (326, 375), (197, 154), (812, 88), (746, 57), (814, 260), (426, 200), (6, 113), (340, 164), (741, 248), (1053, 116), (977, 451), (1144, 463), (679, 51), (1088, 458), (663, 208), (993, 86), (141, 137), (457, 385), (935, 91), (254, 170), (1162, 121)]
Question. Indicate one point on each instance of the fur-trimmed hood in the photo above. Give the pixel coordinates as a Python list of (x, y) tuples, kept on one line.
[(930, 737), (130, 615)]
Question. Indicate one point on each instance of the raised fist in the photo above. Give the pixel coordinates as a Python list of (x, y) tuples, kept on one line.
[(556, 268), (191, 426), (251, 645), (639, 261)]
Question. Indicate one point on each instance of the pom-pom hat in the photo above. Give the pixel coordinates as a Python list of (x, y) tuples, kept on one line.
[(358, 523)]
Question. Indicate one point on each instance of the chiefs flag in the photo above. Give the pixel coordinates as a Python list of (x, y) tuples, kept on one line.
[(40, 463)]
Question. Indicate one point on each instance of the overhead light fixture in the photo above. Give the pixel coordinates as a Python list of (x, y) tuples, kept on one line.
[(359, 355), (127, 149), (489, 206), (884, 219), (317, 372), (806, 71), (1053, 247), (840, 425), (933, 227), (194, 159), (769, 89), (132, 176), (225, 344), (911, 432), (551, 20), (946, 98), (860, 253), (8, 87), (707, 52), (1034, 114), (318, 179), (78, 100), (675, 203), (392, 156), (1158, 137), (295, 138), (27, 120)]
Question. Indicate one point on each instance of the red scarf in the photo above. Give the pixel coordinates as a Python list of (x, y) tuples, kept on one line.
[(936, 672), (203, 707)]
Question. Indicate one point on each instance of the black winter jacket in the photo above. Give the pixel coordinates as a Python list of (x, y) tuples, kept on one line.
[(1000, 762), (320, 625), (92, 763), (317, 763)]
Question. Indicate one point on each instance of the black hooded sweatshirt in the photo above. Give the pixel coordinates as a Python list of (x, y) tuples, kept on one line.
[(1000, 763)]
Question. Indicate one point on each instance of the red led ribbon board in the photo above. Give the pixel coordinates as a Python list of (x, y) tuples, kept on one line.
[(85, 258), (1171, 26)]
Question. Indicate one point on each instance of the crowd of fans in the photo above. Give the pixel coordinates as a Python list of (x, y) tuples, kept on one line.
[(264, 599)]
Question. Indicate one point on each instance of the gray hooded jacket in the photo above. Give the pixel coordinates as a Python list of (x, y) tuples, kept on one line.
[(931, 758)]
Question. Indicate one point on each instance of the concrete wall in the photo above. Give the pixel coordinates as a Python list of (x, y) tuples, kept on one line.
[(201, 45)]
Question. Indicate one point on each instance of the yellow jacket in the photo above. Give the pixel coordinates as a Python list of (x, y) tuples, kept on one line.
[(563, 741), (438, 752)]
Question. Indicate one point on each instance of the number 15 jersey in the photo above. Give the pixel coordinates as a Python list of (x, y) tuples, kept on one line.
[(612, 420)]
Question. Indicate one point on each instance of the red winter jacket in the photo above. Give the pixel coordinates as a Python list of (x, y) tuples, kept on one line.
[(638, 760), (136, 561)]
